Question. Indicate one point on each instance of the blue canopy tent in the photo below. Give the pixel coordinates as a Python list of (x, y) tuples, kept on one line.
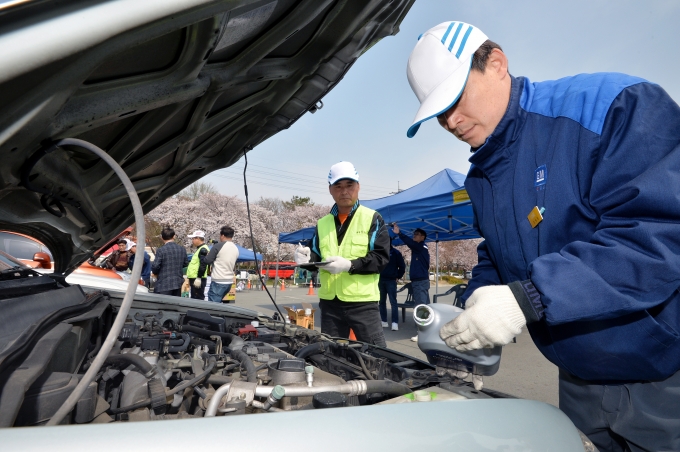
[(439, 205), (246, 255)]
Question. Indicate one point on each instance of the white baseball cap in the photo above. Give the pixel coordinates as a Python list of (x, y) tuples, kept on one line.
[(439, 66), (197, 233), (342, 170)]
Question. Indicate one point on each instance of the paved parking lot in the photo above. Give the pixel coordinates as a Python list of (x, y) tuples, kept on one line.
[(524, 372)]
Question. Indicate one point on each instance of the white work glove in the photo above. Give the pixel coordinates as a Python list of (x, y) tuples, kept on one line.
[(337, 265), (492, 317), (302, 254), (197, 283)]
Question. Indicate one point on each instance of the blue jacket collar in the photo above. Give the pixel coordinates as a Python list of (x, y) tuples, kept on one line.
[(506, 132), (334, 210)]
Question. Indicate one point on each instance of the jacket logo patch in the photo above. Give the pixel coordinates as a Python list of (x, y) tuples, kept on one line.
[(540, 177)]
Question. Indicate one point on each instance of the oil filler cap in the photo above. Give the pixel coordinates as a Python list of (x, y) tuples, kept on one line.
[(329, 399)]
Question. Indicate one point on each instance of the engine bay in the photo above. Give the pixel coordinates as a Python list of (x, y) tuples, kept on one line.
[(176, 362)]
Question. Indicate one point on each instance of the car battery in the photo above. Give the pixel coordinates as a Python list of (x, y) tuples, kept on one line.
[(268, 335)]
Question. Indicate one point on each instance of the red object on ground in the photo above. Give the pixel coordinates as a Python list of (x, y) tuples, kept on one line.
[(352, 337), (283, 285), (311, 289)]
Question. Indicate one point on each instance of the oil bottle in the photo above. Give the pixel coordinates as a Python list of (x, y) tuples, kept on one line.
[(430, 319)]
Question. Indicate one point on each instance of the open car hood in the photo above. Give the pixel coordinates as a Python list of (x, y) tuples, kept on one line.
[(172, 89)]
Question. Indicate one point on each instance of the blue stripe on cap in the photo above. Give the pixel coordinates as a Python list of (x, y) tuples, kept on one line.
[(455, 36), (448, 30), (462, 44)]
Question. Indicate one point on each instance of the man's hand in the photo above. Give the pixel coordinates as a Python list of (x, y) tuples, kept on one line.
[(197, 283), (302, 254), (492, 317), (337, 265), (395, 228)]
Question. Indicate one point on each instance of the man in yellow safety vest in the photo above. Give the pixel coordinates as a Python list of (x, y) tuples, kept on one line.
[(354, 241), (197, 271)]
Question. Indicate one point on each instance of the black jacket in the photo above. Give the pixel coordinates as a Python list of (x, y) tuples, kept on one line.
[(395, 268)]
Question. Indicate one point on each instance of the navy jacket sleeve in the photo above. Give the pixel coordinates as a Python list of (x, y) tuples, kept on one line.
[(201, 259), (632, 261), (485, 272)]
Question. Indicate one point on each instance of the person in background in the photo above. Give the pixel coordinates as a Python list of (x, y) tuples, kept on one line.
[(419, 271), (171, 258), (146, 267), (118, 260), (354, 242), (388, 286), (222, 257), (197, 271)]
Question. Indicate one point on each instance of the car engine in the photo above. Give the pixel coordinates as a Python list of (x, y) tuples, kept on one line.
[(179, 363)]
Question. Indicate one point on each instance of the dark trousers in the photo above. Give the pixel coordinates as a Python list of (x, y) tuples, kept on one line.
[(338, 317), (624, 417), (421, 291), (198, 294), (388, 289), (173, 292)]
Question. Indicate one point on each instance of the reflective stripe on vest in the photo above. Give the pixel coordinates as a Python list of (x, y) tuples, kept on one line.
[(192, 269), (355, 244)]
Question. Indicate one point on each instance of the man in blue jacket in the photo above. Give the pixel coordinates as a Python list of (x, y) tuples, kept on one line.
[(419, 271), (387, 284), (574, 185), (146, 267)]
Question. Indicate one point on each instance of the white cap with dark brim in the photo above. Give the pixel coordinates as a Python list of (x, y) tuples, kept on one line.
[(439, 66), (342, 170)]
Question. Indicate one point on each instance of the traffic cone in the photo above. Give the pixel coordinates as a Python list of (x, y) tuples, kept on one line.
[(311, 289), (283, 285), (249, 287), (352, 337)]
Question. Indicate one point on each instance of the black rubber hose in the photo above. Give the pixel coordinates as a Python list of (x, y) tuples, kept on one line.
[(200, 342), (314, 349), (146, 402), (141, 404), (387, 387), (199, 378), (362, 364), (234, 340), (247, 363), (182, 346), (130, 359), (218, 380)]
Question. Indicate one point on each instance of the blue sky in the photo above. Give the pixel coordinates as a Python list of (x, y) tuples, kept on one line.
[(365, 118)]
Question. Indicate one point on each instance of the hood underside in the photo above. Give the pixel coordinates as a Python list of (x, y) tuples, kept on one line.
[(171, 89)]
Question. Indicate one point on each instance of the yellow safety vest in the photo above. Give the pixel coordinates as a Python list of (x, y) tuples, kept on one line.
[(354, 245), (192, 269)]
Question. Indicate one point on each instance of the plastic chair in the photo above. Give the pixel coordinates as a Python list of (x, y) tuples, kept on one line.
[(458, 290), (408, 303)]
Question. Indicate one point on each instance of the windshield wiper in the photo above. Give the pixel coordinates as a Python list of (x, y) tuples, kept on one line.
[(17, 272)]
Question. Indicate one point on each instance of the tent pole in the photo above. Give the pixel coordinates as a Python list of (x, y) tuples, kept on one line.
[(276, 278), (436, 263)]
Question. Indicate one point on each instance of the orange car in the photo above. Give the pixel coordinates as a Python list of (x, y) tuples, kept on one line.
[(35, 254)]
